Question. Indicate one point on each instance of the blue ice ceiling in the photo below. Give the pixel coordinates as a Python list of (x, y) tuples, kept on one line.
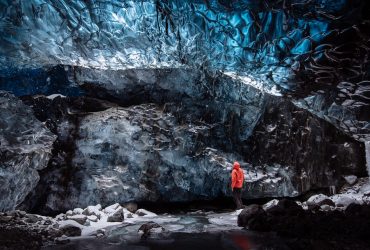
[(270, 38)]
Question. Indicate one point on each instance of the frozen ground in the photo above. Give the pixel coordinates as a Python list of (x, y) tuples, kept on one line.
[(194, 230)]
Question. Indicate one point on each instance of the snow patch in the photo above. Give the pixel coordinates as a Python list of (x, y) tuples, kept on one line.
[(254, 82), (53, 96)]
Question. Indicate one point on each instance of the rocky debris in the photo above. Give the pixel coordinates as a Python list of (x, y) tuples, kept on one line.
[(19, 230), (25, 149), (355, 193), (31, 218), (112, 213), (292, 222), (15, 237)]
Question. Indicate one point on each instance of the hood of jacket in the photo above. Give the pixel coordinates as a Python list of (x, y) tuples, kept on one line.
[(236, 165)]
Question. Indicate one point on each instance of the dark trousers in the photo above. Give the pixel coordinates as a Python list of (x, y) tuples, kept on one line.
[(237, 195)]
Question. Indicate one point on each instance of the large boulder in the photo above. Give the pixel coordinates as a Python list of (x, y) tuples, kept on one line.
[(92, 210), (150, 228), (319, 200), (25, 148), (285, 206), (70, 228), (248, 214), (116, 216), (80, 218)]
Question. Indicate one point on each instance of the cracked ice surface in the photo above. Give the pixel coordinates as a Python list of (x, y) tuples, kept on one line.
[(233, 35)]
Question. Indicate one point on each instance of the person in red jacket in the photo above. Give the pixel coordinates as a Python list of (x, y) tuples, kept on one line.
[(237, 180)]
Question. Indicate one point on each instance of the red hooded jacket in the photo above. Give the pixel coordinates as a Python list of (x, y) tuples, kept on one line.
[(237, 176)]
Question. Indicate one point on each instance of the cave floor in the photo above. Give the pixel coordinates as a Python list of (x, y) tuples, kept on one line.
[(193, 230), (222, 240), (196, 230)]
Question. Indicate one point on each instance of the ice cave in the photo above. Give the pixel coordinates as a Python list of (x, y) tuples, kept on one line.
[(140, 124)]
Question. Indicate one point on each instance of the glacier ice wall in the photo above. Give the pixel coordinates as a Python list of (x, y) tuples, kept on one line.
[(315, 53), (25, 147)]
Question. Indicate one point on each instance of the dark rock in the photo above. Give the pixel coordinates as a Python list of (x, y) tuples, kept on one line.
[(32, 218), (25, 149), (70, 230), (116, 216), (319, 153), (354, 209), (248, 214), (150, 227), (62, 240), (79, 218), (5, 219), (19, 238), (285, 206), (93, 210), (131, 207)]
